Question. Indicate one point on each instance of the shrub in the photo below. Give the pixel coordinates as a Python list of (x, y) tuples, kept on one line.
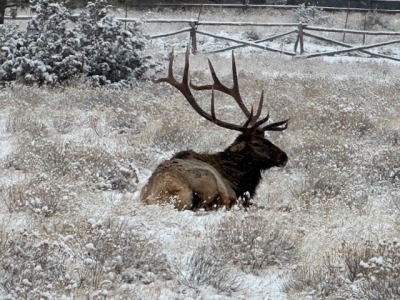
[(111, 246), (319, 281), (96, 256), (382, 271), (253, 244), (42, 196), (310, 14), (364, 270), (30, 263), (207, 266), (94, 166), (57, 46)]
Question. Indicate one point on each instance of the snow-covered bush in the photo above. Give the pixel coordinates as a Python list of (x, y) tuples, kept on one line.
[(92, 165), (382, 271), (57, 46), (320, 282), (252, 244), (309, 14), (40, 195), (117, 249), (376, 21), (207, 266), (328, 278), (364, 270), (31, 264), (95, 255)]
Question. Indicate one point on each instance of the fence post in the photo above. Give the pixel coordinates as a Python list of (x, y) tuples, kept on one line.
[(347, 19), (365, 26), (126, 12), (300, 39), (193, 36)]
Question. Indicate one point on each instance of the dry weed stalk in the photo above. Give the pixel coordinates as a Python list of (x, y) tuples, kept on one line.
[(253, 244)]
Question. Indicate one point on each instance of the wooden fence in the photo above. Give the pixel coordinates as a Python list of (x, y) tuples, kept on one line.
[(300, 30), (151, 4)]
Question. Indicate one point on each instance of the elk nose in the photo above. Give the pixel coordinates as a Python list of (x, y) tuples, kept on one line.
[(283, 160)]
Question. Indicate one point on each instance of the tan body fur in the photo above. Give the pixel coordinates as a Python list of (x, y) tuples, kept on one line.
[(187, 183)]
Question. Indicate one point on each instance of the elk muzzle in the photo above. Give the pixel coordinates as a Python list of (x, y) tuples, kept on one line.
[(282, 160)]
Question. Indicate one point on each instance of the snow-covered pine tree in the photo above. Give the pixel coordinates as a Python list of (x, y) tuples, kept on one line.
[(56, 47)]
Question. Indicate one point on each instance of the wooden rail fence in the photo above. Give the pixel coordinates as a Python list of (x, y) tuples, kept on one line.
[(299, 29)]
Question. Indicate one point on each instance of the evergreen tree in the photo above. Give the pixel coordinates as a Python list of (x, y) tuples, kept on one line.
[(49, 51)]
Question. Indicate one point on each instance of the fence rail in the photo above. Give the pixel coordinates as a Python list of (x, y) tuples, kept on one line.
[(299, 29), (261, 6), (208, 23)]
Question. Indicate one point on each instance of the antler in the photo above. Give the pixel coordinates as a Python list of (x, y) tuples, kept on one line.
[(252, 123), (217, 85)]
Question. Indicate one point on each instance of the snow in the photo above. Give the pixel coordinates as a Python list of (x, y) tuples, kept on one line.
[(6, 149)]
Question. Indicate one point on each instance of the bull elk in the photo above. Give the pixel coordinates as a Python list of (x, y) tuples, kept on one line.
[(191, 180)]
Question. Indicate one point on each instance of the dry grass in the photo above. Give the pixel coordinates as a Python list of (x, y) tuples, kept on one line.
[(91, 257), (365, 269), (207, 266), (254, 243)]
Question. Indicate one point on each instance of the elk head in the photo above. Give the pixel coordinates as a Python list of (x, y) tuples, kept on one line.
[(221, 177), (259, 149)]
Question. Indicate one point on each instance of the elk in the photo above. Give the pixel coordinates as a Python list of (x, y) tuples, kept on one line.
[(191, 180)]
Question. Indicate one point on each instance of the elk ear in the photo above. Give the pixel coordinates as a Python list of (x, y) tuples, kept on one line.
[(237, 147)]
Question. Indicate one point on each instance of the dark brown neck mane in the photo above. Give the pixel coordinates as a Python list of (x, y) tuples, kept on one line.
[(243, 173)]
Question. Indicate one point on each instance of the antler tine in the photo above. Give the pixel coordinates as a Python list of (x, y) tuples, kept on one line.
[(171, 63), (170, 78), (185, 77), (249, 119), (260, 122), (217, 85), (277, 126), (260, 104), (255, 123), (212, 104)]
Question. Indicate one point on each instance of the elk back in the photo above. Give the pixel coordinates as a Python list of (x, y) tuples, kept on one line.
[(188, 184)]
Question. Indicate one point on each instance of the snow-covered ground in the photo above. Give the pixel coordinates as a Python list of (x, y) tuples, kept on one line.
[(73, 160)]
